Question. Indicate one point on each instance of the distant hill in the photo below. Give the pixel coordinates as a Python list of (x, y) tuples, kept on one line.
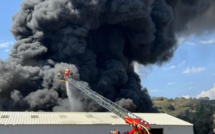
[(174, 106), (199, 112)]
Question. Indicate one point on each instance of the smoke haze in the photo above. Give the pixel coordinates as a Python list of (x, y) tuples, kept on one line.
[(98, 40)]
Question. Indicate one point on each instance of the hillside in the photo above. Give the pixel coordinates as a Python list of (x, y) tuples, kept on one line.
[(199, 112), (175, 106)]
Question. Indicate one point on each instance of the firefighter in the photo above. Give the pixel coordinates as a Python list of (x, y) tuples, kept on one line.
[(59, 74), (67, 72)]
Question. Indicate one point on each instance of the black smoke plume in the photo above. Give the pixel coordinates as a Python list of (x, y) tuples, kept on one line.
[(99, 40)]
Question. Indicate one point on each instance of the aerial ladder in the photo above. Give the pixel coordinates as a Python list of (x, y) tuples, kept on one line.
[(139, 126)]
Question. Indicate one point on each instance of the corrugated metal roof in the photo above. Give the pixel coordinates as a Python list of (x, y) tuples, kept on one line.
[(86, 118), (162, 119)]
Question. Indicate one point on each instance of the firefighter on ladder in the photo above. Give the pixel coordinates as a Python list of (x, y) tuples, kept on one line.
[(67, 72), (59, 75)]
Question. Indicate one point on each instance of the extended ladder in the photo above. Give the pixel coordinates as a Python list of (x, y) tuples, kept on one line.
[(106, 103)]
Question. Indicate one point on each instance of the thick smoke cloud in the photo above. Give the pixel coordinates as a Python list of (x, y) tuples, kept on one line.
[(193, 16), (99, 40)]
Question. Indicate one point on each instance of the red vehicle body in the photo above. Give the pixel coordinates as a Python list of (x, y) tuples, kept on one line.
[(138, 126)]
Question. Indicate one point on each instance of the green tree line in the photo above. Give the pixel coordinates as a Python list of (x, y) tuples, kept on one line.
[(199, 112)]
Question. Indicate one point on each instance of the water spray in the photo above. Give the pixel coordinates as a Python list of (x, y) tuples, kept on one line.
[(69, 93)]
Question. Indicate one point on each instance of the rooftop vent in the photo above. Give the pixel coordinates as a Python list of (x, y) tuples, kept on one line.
[(113, 116), (34, 116), (4, 116), (89, 116), (62, 116)]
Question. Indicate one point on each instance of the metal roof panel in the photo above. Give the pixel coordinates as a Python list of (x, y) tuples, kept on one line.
[(84, 118)]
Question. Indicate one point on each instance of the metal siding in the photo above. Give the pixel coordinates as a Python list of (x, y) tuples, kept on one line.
[(56, 129), (178, 130), (81, 129)]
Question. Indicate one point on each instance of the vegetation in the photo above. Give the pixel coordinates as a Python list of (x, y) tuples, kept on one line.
[(199, 112)]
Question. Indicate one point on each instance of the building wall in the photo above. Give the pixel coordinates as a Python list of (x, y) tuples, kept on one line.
[(82, 129), (178, 130), (175, 129), (59, 129)]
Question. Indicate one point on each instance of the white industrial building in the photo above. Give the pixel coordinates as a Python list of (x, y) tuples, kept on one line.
[(85, 123)]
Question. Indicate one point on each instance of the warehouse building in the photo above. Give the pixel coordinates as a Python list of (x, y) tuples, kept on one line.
[(85, 123)]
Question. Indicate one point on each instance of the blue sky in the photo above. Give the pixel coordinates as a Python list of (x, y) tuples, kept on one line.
[(7, 9), (190, 73)]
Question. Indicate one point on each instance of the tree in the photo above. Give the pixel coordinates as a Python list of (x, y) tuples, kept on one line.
[(201, 117)]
